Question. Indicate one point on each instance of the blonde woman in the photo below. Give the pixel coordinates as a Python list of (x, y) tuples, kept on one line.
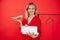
[(31, 20)]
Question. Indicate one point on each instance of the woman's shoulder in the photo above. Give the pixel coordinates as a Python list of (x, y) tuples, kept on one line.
[(37, 17), (24, 19)]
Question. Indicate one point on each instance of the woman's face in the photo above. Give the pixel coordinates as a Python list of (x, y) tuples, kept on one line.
[(31, 9)]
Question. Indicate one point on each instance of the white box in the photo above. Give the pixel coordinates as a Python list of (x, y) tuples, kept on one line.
[(26, 29)]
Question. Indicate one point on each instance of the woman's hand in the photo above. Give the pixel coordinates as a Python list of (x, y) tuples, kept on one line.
[(26, 25), (17, 19), (32, 35)]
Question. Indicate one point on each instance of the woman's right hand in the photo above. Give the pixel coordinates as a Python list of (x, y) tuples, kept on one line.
[(14, 18), (17, 18)]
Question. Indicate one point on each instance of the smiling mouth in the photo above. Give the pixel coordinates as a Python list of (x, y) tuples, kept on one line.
[(31, 11)]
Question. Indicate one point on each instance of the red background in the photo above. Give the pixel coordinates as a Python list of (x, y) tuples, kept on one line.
[(9, 29)]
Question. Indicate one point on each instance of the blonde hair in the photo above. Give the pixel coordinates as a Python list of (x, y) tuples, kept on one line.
[(27, 14)]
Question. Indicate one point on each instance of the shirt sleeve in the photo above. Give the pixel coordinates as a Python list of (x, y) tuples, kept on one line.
[(24, 21), (39, 27)]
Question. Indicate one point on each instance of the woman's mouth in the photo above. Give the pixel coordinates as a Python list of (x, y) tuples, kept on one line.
[(31, 11)]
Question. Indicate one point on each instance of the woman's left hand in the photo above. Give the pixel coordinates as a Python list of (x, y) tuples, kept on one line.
[(32, 35)]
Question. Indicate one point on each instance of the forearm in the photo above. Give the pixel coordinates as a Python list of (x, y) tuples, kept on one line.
[(20, 23), (18, 17)]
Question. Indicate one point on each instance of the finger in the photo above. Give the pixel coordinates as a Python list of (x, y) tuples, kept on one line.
[(29, 33), (34, 34), (13, 17), (26, 25)]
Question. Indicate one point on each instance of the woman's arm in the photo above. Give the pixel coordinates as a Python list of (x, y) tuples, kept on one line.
[(32, 35), (17, 19)]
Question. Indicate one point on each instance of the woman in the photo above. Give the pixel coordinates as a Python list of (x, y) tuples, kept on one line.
[(31, 20)]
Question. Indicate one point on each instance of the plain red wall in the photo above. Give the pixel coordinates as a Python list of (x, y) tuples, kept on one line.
[(9, 29)]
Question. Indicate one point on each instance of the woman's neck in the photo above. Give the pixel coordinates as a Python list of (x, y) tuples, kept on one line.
[(30, 18), (31, 15)]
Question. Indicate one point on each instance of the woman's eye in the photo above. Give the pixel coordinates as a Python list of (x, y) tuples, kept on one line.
[(32, 8), (29, 8)]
